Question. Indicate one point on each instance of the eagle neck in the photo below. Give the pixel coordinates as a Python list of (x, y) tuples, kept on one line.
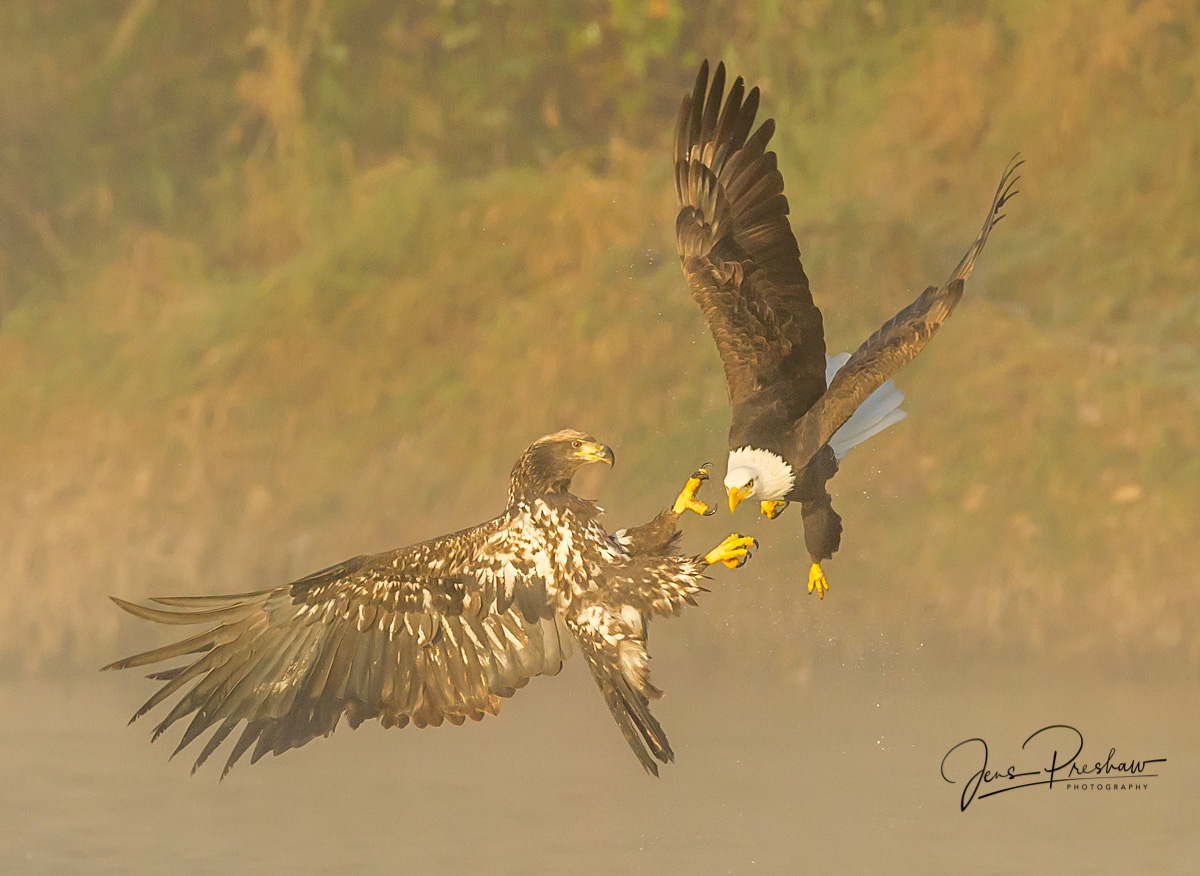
[(529, 489)]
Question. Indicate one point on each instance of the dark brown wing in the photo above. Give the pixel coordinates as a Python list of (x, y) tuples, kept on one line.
[(438, 631), (895, 344), (740, 257), (656, 538)]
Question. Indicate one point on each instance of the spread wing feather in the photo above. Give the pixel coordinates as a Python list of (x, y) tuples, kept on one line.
[(438, 631), (740, 257), (895, 344)]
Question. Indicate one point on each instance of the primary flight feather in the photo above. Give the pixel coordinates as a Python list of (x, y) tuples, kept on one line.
[(795, 411), (442, 630)]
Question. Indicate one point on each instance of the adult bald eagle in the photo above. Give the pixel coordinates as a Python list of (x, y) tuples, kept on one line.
[(795, 412), (443, 629)]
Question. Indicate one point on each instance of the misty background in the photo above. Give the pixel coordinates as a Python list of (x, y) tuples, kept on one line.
[(286, 282)]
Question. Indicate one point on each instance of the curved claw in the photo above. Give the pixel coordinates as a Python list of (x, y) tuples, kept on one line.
[(687, 497), (733, 551), (772, 508)]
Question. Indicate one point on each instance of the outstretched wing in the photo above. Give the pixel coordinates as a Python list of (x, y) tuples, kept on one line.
[(896, 343), (656, 538), (740, 257), (437, 631)]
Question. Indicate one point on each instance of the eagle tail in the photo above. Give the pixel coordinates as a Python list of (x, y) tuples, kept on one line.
[(641, 730), (615, 649), (880, 410)]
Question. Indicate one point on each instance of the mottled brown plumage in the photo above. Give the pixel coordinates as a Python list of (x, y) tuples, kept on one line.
[(439, 631)]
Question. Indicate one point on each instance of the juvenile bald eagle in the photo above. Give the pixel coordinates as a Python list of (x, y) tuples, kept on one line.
[(795, 411), (443, 629)]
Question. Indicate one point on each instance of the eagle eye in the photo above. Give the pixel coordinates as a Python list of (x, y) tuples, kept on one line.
[(576, 443)]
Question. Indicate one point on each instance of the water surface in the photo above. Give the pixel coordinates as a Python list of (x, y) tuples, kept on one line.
[(838, 772)]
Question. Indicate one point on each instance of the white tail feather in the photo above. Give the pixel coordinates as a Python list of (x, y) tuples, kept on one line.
[(878, 411)]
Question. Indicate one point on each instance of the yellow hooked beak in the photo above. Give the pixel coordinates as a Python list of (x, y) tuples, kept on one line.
[(595, 452), (737, 494)]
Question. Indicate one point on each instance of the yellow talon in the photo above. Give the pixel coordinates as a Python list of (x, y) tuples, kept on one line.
[(816, 580), (733, 551), (772, 508), (687, 497)]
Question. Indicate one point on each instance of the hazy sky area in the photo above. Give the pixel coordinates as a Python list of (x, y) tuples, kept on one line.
[(286, 282)]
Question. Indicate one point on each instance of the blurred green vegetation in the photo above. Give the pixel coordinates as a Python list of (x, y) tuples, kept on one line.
[(282, 282)]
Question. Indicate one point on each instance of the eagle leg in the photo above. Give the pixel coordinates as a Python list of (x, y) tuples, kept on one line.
[(687, 497), (733, 551), (772, 508), (816, 580)]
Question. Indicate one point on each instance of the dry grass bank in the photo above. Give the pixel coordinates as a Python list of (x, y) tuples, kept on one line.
[(351, 353)]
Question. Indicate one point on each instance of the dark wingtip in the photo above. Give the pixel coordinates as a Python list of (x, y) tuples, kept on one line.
[(123, 663), (159, 731), (701, 80), (125, 605), (141, 611)]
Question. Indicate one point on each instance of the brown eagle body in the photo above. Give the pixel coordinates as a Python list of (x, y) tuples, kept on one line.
[(440, 630), (743, 268)]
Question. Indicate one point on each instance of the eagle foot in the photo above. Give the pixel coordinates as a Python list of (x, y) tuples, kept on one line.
[(816, 580), (772, 508), (687, 497), (733, 551)]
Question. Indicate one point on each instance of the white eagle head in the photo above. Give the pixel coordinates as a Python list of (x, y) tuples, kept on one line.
[(757, 474)]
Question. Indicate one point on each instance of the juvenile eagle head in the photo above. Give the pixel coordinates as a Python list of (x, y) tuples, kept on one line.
[(551, 461)]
